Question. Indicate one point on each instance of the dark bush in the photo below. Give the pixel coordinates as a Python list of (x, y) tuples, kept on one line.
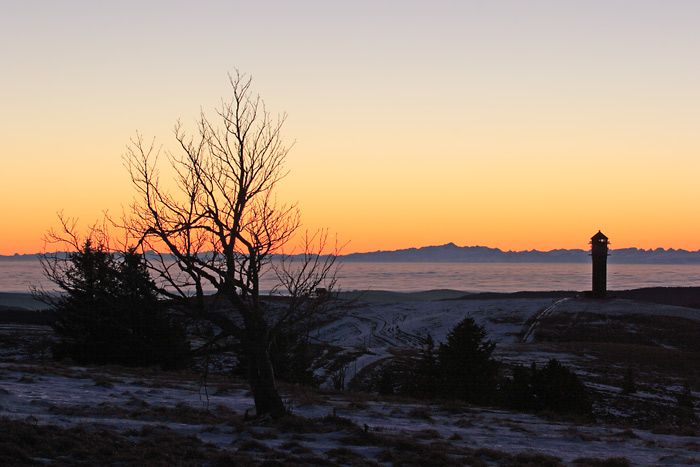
[(685, 397), (553, 387)]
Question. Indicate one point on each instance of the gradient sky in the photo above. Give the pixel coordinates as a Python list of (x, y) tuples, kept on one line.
[(510, 124)]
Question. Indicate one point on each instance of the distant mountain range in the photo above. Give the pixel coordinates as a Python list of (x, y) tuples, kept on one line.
[(451, 253)]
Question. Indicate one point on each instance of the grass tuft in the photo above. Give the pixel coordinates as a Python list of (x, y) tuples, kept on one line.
[(609, 462)]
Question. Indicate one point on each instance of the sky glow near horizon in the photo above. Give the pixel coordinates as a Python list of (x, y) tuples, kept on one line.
[(509, 124)]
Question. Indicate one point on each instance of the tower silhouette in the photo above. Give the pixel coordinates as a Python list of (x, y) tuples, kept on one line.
[(599, 254)]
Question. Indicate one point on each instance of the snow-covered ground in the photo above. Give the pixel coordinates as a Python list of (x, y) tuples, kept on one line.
[(406, 324), (124, 399), (623, 307), (78, 395)]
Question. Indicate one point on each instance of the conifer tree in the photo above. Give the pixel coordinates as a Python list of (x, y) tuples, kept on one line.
[(108, 311), (428, 373), (466, 368)]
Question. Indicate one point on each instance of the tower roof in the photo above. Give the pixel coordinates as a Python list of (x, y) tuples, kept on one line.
[(599, 236)]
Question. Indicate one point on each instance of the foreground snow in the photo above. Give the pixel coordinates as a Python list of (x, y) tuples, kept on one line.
[(79, 395)]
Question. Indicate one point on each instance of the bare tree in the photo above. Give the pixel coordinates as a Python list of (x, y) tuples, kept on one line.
[(219, 227)]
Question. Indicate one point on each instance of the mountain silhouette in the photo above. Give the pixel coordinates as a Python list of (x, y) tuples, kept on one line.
[(451, 253)]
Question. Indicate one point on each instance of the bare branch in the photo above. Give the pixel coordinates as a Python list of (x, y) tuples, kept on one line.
[(220, 224)]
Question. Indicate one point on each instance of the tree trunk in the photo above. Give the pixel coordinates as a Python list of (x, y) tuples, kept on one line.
[(261, 377)]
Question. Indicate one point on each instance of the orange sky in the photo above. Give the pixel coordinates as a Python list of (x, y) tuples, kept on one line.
[(515, 125)]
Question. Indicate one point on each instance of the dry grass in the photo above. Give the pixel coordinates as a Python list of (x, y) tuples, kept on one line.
[(454, 407), (574, 432), (22, 443), (138, 409), (345, 456), (675, 430), (295, 448), (532, 460), (610, 462), (491, 454), (409, 453), (421, 413), (647, 359), (221, 389), (301, 396), (253, 445), (427, 434), (636, 329), (105, 381)]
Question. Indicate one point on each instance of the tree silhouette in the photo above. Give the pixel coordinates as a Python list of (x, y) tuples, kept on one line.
[(467, 370), (426, 373), (109, 311), (219, 224)]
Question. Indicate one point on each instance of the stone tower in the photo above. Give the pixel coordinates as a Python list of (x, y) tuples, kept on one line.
[(599, 254)]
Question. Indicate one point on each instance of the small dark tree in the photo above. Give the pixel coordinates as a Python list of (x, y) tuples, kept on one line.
[(108, 311), (387, 382), (685, 397), (628, 384), (466, 368), (338, 378)]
